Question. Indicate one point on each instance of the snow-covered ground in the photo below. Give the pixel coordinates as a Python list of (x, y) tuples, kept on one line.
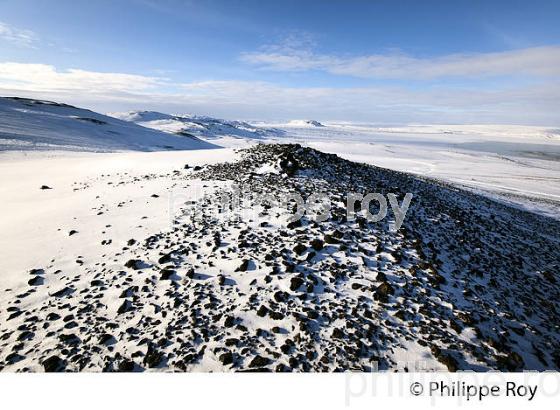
[(99, 273), (519, 165), (88, 236), (100, 195), (221, 132), (516, 164), (35, 125)]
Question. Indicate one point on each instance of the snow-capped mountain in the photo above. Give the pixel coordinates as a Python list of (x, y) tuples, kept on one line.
[(204, 127), (28, 124)]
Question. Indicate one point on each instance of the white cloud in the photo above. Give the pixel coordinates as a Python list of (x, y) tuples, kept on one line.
[(535, 61), (26, 38), (536, 104), (46, 78), (530, 104)]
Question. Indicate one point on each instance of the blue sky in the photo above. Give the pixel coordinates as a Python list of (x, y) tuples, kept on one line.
[(379, 61)]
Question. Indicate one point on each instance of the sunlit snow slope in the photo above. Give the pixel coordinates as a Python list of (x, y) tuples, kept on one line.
[(228, 133), (27, 124)]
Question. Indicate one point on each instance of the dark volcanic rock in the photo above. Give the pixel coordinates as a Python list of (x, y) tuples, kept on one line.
[(54, 364), (259, 361), (134, 264), (244, 266), (35, 281)]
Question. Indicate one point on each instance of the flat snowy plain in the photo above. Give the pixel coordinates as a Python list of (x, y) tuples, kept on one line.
[(516, 164)]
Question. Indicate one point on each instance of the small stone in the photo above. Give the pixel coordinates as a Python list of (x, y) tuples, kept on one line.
[(243, 267), (300, 248), (226, 358), (36, 281), (62, 292), (105, 338), (229, 321), (383, 291), (125, 307), (295, 283), (166, 274), (25, 335), (134, 264), (165, 259), (259, 361), (330, 239), (127, 366), (190, 273), (70, 339), (263, 311), (317, 244), (153, 358), (53, 364), (53, 316), (337, 333)]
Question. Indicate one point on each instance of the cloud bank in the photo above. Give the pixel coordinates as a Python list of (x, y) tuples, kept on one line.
[(537, 103)]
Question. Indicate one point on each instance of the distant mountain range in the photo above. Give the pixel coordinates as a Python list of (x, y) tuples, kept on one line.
[(195, 125)]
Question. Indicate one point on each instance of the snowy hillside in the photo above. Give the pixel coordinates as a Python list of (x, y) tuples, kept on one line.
[(108, 276), (36, 125), (125, 261), (211, 129)]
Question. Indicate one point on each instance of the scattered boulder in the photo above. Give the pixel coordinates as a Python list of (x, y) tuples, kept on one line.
[(126, 306), (259, 361), (300, 248), (54, 364), (512, 362), (295, 283), (36, 281), (126, 366), (226, 358), (244, 266), (153, 357), (383, 291), (134, 264), (166, 274), (317, 244)]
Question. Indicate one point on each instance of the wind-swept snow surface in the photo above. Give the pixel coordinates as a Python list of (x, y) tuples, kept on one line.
[(35, 125)]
